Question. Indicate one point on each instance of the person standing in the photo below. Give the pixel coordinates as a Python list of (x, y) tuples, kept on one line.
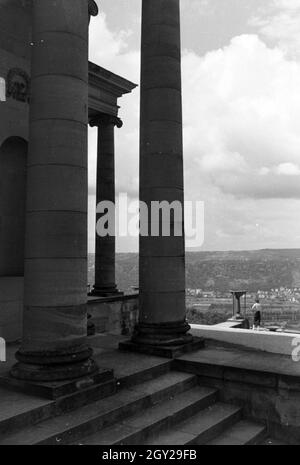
[(257, 309)]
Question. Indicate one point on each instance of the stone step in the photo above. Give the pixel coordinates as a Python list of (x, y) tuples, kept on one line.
[(19, 410), (201, 427), (243, 433), (273, 442), (137, 428), (130, 369), (99, 414)]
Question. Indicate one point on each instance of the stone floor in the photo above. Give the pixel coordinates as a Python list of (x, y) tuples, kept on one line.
[(246, 359), (105, 347), (106, 354)]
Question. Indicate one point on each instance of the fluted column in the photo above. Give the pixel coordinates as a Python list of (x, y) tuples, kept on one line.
[(55, 318), (105, 247), (162, 319)]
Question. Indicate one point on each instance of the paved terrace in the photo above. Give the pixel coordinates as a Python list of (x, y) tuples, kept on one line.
[(212, 361), (106, 353)]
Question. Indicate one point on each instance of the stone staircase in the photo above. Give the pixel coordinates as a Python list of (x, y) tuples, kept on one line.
[(155, 406)]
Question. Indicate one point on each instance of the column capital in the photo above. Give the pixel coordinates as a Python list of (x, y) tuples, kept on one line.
[(93, 8), (103, 119)]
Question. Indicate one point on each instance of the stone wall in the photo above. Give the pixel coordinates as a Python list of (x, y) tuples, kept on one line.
[(266, 341), (269, 397), (15, 57), (117, 315)]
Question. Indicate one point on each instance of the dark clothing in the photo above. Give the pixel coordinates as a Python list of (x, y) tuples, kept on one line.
[(257, 318)]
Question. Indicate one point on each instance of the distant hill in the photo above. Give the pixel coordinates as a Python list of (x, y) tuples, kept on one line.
[(221, 271)]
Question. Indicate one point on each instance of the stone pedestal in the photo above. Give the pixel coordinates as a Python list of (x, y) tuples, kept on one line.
[(55, 318), (105, 247), (162, 319)]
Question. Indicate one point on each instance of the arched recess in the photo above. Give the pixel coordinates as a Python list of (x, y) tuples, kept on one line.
[(13, 158)]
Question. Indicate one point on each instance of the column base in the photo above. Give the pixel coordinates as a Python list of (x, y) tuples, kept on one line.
[(163, 351), (168, 340), (103, 379), (105, 292), (54, 365)]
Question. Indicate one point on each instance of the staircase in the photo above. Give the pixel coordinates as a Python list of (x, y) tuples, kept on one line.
[(158, 407)]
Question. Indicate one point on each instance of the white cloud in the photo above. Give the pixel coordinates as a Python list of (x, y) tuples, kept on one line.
[(198, 8), (110, 50), (241, 135), (280, 23), (246, 118), (288, 169), (290, 5)]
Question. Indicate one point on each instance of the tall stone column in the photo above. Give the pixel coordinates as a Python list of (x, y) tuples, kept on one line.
[(162, 320), (55, 318), (105, 247)]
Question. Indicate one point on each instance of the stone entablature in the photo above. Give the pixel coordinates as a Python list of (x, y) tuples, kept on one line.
[(105, 88), (93, 7)]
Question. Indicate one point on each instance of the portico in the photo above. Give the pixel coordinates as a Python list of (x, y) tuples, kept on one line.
[(206, 397), (65, 94)]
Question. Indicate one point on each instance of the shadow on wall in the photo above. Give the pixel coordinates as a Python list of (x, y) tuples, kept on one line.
[(13, 159), (117, 316)]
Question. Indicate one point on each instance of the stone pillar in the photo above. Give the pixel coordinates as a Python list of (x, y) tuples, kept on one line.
[(162, 320), (236, 307), (105, 247), (55, 318)]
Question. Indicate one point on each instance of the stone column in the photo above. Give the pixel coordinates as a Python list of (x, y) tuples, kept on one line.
[(162, 319), (55, 318), (105, 247)]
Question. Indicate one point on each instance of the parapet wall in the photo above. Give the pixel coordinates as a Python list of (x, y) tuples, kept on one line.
[(266, 341), (115, 315)]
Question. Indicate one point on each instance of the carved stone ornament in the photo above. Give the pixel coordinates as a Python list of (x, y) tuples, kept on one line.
[(93, 8), (18, 85), (103, 119)]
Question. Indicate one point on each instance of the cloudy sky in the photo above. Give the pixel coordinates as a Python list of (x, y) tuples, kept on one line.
[(241, 99)]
